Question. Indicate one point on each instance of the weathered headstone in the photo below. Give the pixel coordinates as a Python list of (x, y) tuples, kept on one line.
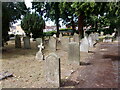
[(84, 45), (17, 41), (97, 36), (52, 70), (39, 54), (76, 38), (38, 41), (74, 53), (64, 43), (90, 40), (52, 44), (26, 42)]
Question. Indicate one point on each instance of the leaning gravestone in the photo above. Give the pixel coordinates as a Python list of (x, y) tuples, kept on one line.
[(52, 70), (26, 42), (52, 44), (39, 54), (74, 53), (76, 38), (38, 41), (17, 41), (84, 45)]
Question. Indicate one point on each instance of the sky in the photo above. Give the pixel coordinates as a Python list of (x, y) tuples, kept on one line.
[(48, 23)]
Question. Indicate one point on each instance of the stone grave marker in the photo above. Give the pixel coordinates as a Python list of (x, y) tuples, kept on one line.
[(38, 41), (39, 54), (17, 41), (76, 38), (52, 44), (26, 42), (64, 43), (84, 45), (52, 70), (74, 53), (90, 40)]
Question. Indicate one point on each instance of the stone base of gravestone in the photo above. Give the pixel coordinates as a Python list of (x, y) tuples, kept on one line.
[(52, 44), (26, 42), (84, 45), (17, 41), (74, 53), (52, 70)]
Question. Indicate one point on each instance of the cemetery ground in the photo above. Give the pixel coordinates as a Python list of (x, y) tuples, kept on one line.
[(98, 69)]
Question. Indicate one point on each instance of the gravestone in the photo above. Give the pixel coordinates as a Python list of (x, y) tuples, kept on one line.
[(71, 39), (74, 53), (52, 70), (84, 45), (97, 36), (92, 35), (90, 40), (26, 42), (52, 44), (38, 41), (17, 41), (76, 38), (64, 43), (39, 54), (101, 33)]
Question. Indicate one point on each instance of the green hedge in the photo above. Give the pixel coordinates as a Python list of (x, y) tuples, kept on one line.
[(50, 33)]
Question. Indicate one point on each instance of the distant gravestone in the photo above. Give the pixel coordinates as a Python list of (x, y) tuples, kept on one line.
[(52, 44), (92, 35), (101, 33), (39, 54), (76, 38), (64, 43), (38, 41), (97, 36), (26, 42), (17, 41), (74, 53), (90, 40), (52, 70), (84, 45)]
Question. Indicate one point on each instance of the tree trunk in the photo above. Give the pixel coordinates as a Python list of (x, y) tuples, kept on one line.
[(57, 17), (80, 26)]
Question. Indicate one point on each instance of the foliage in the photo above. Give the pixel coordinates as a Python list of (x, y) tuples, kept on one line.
[(49, 33), (11, 11), (33, 23)]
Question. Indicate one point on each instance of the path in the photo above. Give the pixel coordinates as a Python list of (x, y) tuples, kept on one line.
[(103, 70)]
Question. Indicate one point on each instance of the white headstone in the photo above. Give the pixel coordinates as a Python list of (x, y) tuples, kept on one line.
[(39, 54), (84, 45)]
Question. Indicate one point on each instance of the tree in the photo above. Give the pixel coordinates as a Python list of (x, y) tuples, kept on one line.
[(51, 11), (33, 23), (67, 14), (82, 9), (10, 13)]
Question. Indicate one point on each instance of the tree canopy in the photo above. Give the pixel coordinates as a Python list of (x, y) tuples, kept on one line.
[(33, 23)]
